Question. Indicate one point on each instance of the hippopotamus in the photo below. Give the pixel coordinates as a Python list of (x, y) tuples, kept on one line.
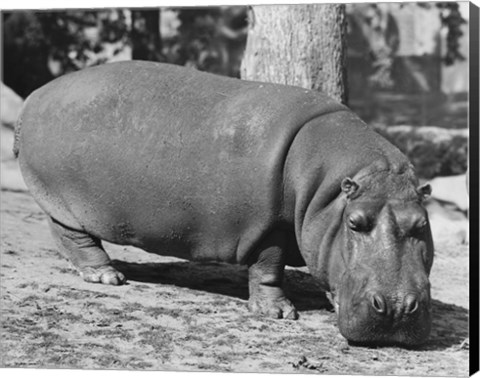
[(189, 164)]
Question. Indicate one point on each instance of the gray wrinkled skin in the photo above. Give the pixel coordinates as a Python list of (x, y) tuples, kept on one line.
[(203, 167)]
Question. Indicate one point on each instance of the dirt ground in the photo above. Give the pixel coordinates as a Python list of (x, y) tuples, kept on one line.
[(178, 315)]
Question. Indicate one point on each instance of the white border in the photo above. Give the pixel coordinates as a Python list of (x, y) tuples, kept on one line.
[(83, 4), (56, 4)]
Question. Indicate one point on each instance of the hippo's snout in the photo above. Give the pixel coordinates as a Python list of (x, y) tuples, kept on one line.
[(384, 315), (407, 305), (378, 320)]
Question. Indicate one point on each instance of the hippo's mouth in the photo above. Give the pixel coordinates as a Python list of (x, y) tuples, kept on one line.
[(362, 325)]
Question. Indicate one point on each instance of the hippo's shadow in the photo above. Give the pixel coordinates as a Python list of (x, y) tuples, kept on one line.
[(449, 327), (450, 322), (224, 279)]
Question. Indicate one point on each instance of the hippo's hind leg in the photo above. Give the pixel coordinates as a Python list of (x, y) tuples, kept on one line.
[(265, 279), (86, 254)]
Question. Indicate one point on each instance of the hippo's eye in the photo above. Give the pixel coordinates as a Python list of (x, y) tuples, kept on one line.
[(419, 227), (358, 222)]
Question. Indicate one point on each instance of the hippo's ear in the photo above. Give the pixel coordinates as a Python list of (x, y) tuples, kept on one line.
[(349, 187), (424, 191)]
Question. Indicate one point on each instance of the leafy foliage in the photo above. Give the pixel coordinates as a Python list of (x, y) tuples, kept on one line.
[(25, 52), (75, 38), (209, 39), (39, 46), (452, 20), (432, 152)]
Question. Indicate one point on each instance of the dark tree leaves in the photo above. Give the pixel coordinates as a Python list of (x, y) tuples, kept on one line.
[(453, 21)]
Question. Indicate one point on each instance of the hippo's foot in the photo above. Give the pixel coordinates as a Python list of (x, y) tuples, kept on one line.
[(103, 274), (278, 307), (86, 254), (265, 276)]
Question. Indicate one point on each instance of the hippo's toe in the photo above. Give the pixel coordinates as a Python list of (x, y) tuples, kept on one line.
[(278, 308), (104, 274)]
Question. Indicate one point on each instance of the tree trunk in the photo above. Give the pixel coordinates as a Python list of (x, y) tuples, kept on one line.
[(145, 35), (300, 45)]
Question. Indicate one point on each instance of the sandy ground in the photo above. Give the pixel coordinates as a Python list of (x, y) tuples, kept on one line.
[(179, 315)]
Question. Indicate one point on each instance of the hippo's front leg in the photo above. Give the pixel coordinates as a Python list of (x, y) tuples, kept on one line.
[(265, 275)]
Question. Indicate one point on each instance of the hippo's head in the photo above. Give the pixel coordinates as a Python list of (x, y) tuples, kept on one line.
[(383, 254)]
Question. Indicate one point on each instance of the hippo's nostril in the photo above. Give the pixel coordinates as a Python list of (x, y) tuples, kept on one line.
[(378, 303), (411, 304)]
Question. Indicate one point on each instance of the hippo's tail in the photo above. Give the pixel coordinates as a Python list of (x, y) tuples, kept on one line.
[(16, 140), (18, 127)]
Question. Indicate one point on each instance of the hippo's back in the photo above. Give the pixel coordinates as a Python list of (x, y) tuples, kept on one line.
[(163, 157)]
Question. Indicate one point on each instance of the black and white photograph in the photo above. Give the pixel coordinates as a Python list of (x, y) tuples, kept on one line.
[(287, 188)]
